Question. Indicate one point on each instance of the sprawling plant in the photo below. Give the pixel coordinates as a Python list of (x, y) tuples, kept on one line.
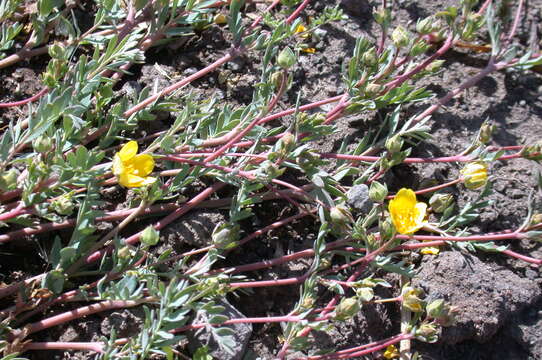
[(80, 137)]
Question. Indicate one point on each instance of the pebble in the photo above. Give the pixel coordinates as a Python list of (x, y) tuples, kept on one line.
[(190, 71), (320, 33), (358, 198)]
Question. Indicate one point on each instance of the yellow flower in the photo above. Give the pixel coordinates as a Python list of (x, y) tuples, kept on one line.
[(430, 250), (391, 352), (475, 175), (407, 214), (132, 169)]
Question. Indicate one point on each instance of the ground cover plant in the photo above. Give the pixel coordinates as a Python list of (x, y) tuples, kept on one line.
[(218, 179)]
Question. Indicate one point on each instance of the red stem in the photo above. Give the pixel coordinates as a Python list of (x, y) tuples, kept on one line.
[(297, 11), (362, 350), (165, 221), (25, 101), (402, 78), (61, 345)]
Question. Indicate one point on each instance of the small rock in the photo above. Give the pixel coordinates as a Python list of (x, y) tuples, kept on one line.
[(320, 33), (190, 71), (241, 334), (237, 64), (125, 323), (358, 198), (487, 296), (359, 8)]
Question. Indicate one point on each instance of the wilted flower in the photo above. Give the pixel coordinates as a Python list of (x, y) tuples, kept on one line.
[(475, 175), (411, 299), (391, 352), (341, 215), (309, 50), (406, 213), (440, 202), (132, 169)]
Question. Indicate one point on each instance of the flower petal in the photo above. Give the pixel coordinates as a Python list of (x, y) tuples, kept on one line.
[(118, 166), (407, 197), (142, 164), (130, 180), (430, 250), (420, 211), (128, 151)]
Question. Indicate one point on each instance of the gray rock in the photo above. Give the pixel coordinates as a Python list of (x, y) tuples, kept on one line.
[(125, 323), (526, 329), (241, 335), (358, 198), (190, 71), (320, 33), (486, 295)]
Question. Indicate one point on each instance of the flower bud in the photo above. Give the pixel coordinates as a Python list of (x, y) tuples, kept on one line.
[(373, 89), (286, 58), (340, 215), (370, 58), (419, 48), (373, 242), (43, 144), (386, 230), (378, 192), (486, 131), (435, 66), (536, 219), (440, 202), (400, 37), (325, 262), (427, 332), (411, 299), (220, 19), (365, 294), (425, 26), (63, 205), (382, 16), (394, 144), (347, 308), (8, 180), (474, 175), (435, 308), (269, 170), (150, 236), (124, 252), (287, 142), (308, 302), (532, 152), (225, 236), (276, 79), (57, 50)]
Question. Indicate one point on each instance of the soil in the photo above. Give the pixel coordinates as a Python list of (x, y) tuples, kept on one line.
[(498, 298)]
